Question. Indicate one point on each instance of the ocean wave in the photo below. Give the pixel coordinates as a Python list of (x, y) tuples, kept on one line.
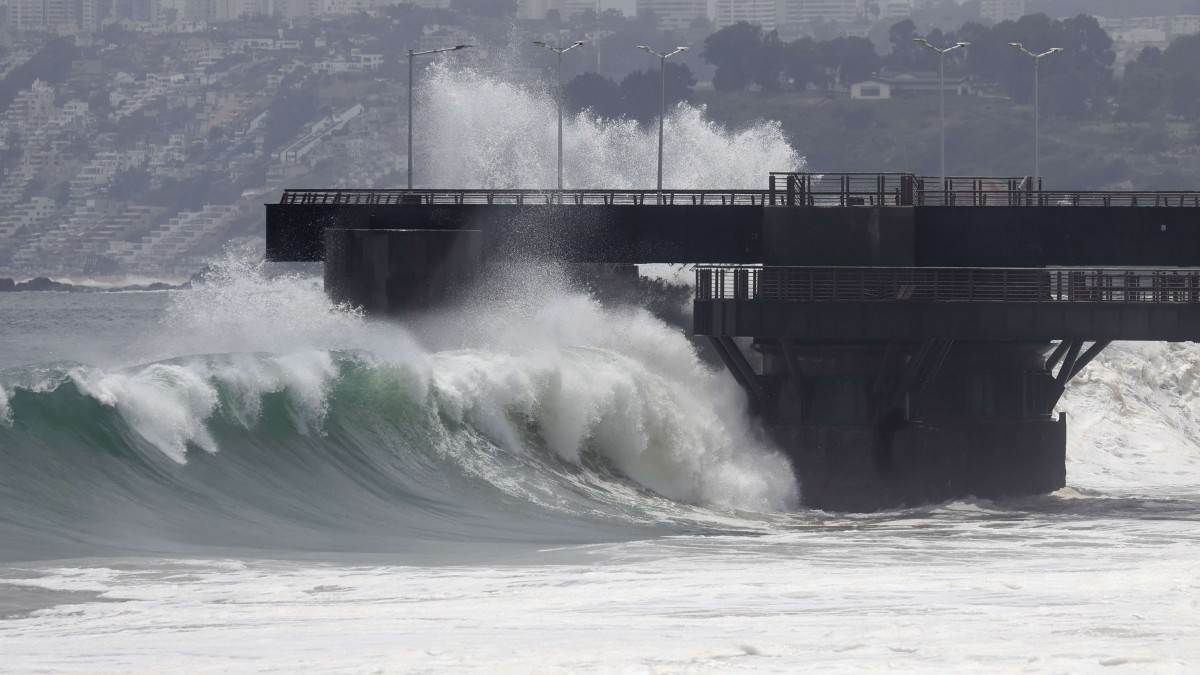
[(561, 410)]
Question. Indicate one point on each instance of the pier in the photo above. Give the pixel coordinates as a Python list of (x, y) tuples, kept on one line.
[(904, 340)]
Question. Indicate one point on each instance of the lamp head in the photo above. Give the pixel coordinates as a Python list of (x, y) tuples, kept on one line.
[(1055, 50), (1017, 45), (579, 42), (962, 44), (643, 48), (922, 41), (458, 47), (540, 43)]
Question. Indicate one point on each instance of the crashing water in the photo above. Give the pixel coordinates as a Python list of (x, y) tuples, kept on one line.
[(555, 410), (519, 124), (536, 482)]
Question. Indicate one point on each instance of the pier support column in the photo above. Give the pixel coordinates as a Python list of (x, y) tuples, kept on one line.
[(390, 272), (883, 425)]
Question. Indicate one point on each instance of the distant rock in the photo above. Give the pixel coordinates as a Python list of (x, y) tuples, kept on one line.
[(8, 285), (42, 284)]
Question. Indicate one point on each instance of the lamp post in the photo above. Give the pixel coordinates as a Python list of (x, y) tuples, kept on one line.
[(412, 54), (663, 63), (1036, 60), (942, 51), (559, 51)]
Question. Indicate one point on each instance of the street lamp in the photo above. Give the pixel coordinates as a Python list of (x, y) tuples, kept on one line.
[(411, 54), (663, 62), (559, 51), (942, 51), (1036, 59)]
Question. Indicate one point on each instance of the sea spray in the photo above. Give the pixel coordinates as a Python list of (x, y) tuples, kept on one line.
[(1133, 417), (478, 131), (265, 416), (325, 421)]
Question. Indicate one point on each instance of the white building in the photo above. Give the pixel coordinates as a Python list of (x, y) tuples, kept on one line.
[(894, 9), (908, 84), (773, 14), (810, 11), (40, 14), (764, 13), (537, 9), (674, 14), (1002, 10)]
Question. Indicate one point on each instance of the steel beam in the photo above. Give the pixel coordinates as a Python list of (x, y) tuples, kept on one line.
[(740, 368)]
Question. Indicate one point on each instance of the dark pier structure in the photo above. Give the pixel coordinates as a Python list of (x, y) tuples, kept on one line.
[(905, 340)]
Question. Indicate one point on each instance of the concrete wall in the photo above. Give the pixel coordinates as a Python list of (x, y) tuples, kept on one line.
[(390, 272)]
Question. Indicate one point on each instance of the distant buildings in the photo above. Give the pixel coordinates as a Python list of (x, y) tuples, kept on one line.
[(799, 15), (537, 9), (40, 14), (892, 85), (1002, 10), (761, 12), (82, 15), (674, 14), (891, 9)]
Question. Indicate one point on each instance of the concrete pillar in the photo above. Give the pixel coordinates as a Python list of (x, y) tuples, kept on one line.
[(390, 272)]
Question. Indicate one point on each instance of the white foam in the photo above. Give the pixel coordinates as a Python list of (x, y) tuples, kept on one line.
[(169, 405), (1133, 418), (165, 404), (488, 132)]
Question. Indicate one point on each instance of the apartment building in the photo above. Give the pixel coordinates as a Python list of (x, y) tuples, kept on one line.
[(1002, 10), (765, 13), (537, 9), (811, 11), (794, 14), (41, 14), (674, 14)]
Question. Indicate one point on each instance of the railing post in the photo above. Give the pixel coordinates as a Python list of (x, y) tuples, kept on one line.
[(906, 190), (704, 286), (772, 189)]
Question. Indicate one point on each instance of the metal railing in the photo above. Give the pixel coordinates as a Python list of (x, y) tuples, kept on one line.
[(905, 189), (842, 189), (785, 189), (1059, 198), (521, 197), (947, 284)]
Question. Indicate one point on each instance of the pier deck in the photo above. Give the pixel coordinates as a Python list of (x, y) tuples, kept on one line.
[(909, 339)]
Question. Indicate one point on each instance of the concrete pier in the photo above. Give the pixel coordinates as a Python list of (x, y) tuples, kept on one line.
[(390, 272), (911, 343)]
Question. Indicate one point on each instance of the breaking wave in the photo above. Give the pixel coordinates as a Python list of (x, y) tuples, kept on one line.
[(327, 431)]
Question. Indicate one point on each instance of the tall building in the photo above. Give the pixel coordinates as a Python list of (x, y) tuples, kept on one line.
[(674, 14), (772, 14), (41, 14), (894, 9), (537, 9), (1002, 10), (803, 12), (761, 12)]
